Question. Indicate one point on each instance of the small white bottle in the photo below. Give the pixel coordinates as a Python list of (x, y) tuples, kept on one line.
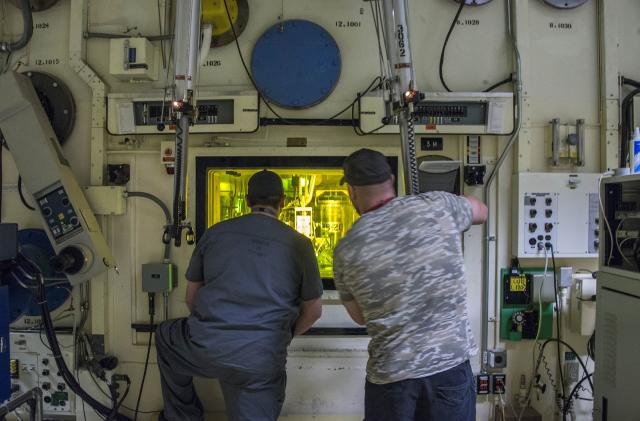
[(634, 152)]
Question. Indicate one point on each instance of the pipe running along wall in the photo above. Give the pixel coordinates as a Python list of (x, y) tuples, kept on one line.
[(487, 231)]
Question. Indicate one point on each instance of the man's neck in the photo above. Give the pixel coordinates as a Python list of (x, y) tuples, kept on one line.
[(378, 203), (265, 210)]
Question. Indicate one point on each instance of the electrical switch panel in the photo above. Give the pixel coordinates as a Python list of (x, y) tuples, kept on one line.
[(215, 112), (32, 365), (556, 210), (444, 112)]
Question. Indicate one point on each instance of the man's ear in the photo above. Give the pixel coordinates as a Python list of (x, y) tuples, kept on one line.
[(352, 191), (282, 202), (353, 195), (246, 198)]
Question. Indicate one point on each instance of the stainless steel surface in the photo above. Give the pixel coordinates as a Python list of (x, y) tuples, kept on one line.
[(187, 40)]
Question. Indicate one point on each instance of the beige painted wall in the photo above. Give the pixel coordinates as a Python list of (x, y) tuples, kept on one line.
[(561, 71)]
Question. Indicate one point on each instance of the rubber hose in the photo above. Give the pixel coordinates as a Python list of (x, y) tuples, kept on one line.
[(27, 32)]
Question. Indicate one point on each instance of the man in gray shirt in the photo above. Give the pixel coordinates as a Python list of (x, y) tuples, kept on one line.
[(253, 283), (400, 271)]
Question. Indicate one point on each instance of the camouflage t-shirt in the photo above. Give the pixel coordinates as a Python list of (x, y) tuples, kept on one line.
[(403, 265)]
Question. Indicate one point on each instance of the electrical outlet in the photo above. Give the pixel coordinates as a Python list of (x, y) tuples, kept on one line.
[(498, 383), (482, 384), (497, 358)]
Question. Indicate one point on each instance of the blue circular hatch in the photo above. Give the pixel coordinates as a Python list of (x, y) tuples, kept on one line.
[(296, 64)]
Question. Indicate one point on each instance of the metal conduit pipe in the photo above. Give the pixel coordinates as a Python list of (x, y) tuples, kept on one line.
[(165, 210), (487, 232), (121, 36), (27, 32)]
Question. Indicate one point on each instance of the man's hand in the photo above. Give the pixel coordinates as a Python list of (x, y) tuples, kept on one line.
[(310, 312), (479, 210)]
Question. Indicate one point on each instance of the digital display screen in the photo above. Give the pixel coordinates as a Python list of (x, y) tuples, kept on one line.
[(518, 283)]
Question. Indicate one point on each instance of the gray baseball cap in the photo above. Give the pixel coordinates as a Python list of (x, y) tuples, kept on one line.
[(265, 184), (365, 167)]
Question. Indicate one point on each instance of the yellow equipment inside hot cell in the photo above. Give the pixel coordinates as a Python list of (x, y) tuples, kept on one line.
[(316, 204)]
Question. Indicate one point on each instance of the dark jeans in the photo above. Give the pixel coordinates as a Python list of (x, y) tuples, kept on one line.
[(450, 395), (247, 396)]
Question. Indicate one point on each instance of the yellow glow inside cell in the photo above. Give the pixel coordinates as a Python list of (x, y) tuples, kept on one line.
[(316, 205)]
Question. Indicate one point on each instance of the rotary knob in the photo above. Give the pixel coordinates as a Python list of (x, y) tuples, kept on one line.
[(518, 318)]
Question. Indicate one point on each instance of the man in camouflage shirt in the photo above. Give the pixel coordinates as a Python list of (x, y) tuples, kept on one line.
[(400, 271)]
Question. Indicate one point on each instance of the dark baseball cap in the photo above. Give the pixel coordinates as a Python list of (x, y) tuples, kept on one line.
[(365, 167), (265, 184)]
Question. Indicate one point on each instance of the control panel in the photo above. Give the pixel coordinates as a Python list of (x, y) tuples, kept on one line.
[(443, 112), (558, 210), (152, 113), (540, 221), (520, 316), (451, 113), (59, 214), (32, 365), (216, 112)]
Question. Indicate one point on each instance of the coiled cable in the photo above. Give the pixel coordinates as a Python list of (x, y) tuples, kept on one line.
[(177, 185), (411, 153)]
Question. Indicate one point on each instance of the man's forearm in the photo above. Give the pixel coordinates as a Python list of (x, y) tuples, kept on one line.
[(304, 323), (310, 312), (190, 294)]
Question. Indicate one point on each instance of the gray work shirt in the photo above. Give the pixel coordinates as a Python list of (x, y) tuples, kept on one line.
[(403, 265), (256, 271)]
